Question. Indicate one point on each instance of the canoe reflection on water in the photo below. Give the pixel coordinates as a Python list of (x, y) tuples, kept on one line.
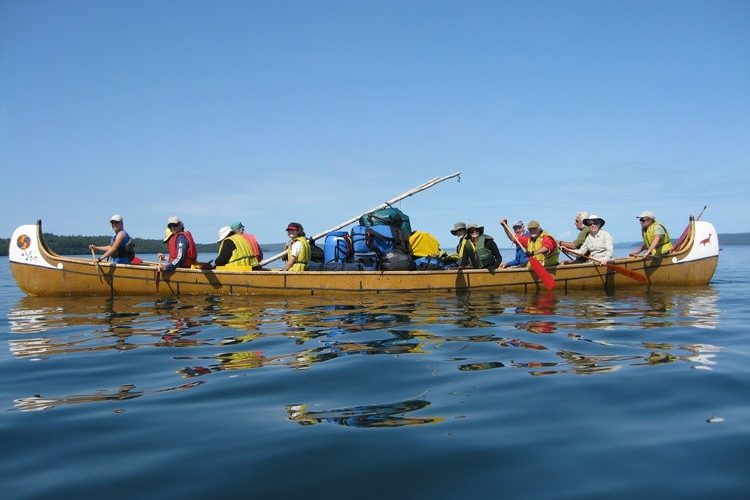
[(124, 392), (383, 415), (542, 334)]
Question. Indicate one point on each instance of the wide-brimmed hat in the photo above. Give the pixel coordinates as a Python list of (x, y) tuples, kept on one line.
[(457, 226), (167, 235), (236, 226), (116, 218), (533, 224), (591, 218), (518, 223), (647, 213), (471, 226), (174, 220), (294, 226), (224, 232)]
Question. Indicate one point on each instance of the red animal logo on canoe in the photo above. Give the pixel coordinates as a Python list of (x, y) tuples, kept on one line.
[(707, 241), (23, 242)]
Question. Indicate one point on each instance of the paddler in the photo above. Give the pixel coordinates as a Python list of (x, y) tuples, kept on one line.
[(583, 231), (234, 252), (297, 248), (488, 254), (520, 259), (655, 236), (122, 248), (466, 254), (539, 244), (182, 249), (238, 228), (598, 244)]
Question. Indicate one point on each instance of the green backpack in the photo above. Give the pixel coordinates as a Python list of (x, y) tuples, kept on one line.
[(388, 216)]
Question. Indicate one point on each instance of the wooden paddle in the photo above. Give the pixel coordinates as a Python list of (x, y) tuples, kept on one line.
[(544, 276), (158, 271), (96, 263), (398, 198), (616, 268)]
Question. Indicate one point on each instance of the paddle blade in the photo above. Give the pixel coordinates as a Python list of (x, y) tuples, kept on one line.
[(627, 272), (544, 276)]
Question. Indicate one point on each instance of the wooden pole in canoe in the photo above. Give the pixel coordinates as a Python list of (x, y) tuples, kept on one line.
[(544, 276), (413, 191), (618, 269), (700, 214)]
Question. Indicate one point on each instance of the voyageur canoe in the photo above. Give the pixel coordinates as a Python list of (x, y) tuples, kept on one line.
[(40, 271)]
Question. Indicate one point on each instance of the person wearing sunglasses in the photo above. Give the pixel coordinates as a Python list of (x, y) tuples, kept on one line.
[(656, 239), (488, 254), (183, 251), (598, 244)]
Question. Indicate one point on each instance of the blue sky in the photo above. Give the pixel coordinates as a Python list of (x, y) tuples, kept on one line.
[(270, 112)]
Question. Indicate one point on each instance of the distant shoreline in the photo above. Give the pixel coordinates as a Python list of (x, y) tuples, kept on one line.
[(78, 245)]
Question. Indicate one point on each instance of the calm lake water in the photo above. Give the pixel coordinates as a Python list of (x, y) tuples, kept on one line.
[(432, 395)]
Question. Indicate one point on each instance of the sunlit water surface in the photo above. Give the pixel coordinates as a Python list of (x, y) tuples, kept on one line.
[(391, 396)]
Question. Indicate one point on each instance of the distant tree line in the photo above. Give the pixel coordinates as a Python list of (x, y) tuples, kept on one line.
[(734, 239), (79, 245)]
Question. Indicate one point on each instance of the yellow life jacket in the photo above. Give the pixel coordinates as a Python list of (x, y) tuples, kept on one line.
[(462, 246), (424, 244), (547, 259), (242, 256), (304, 254), (664, 246)]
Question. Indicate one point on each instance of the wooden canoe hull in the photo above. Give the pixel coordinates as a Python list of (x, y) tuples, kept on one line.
[(39, 271)]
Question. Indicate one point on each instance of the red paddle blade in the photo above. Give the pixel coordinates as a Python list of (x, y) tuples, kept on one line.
[(627, 272), (544, 276)]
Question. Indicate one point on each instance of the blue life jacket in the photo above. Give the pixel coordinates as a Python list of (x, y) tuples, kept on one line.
[(126, 250)]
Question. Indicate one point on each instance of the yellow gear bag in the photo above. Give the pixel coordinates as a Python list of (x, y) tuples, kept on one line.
[(424, 244)]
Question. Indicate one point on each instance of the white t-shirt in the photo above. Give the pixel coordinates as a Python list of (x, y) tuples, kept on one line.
[(296, 248)]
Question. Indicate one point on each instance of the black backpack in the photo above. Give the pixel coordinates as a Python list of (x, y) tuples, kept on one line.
[(316, 253)]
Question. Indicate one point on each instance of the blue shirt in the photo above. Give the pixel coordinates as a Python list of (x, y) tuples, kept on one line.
[(521, 259)]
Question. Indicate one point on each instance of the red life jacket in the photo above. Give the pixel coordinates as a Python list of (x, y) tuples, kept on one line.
[(254, 245), (192, 252)]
